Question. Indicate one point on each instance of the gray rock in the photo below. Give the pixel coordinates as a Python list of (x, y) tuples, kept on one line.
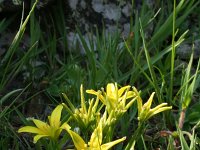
[(73, 4), (17, 2), (111, 30), (150, 3), (74, 41), (97, 5), (126, 30), (184, 51), (112, 12), (83, 4), (126, 10), (197, 48)]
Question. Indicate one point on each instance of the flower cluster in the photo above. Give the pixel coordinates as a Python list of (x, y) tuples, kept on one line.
[(115, 103)]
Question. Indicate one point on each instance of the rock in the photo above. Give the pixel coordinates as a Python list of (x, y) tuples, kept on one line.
[(73, 4), (17, 2), (184, 51), (112, 12), (197, 49), (98, 6), (83, 4), (74, 41), (10, 5), (111, 30), (127, 9), (126, 30), (16, 5)]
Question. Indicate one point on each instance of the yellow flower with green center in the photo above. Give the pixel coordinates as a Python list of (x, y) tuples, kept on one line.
[(42, 129), (144, 111), (95, 142), (115, 98), (84, 116)]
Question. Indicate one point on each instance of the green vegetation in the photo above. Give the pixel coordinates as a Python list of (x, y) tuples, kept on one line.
[(48, 78)]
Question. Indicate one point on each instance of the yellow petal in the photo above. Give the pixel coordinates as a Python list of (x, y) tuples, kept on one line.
[(158, 110), (96, 137), (130, 94), (78, 141), (37, 137), (54, 119), (130, 103), (139, 100), (111, 101), (91, 92), (147, 105), (110, 90), (96, 93), (83, 105), (121, 90), (65, 126), (57, 133), (158, 107), (111, 144), (44, 127), (30, 129)]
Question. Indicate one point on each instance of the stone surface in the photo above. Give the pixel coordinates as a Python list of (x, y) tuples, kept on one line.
[(184, 51), (74, 41), (16, 5), (112, 12), (127, 9), (73, 4), (98, 6), (114, 15)]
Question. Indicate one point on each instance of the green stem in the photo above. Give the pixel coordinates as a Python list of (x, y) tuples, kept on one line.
[(137, 134), (172, 53), (54, 145), (109, 135)]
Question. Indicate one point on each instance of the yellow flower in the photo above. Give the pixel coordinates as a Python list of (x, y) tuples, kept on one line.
[(42, 129), (144, 111), (115, 98), (83, 115), (95, 142)]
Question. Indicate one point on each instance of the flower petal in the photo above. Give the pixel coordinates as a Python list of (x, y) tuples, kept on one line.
[(30, 129), (139, 100), (147, 105), (160, 110), (54, 119), (110, 90), (96, 93), (121, 90), (96, 137), (83, 105), (111, 144), (130, 94), (130, 103), (37, 137), (65, 126), (78, 141), (44, 127), (158, 107)]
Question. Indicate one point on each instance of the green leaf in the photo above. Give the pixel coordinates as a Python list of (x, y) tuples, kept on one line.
[(184, 144)]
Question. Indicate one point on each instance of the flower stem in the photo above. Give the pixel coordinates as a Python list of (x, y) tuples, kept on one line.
[(181, 118), (137, 134)]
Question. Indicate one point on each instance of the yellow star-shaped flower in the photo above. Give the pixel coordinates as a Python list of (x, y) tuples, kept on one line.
[(95, 142), (42, 129)]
